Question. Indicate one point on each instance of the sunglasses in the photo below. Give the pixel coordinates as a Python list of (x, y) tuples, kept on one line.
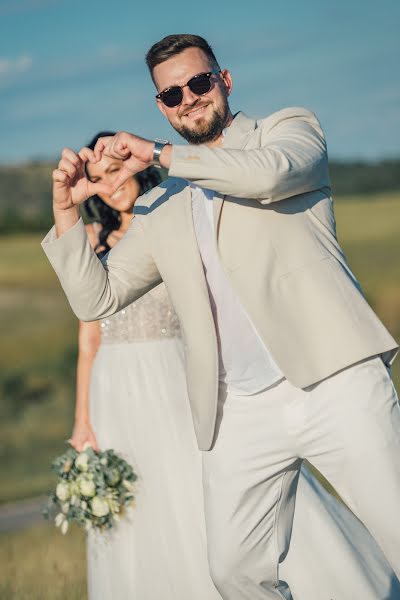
[(199, 84)]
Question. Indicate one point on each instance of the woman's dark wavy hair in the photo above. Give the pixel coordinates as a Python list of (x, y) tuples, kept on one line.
[(109, 218)]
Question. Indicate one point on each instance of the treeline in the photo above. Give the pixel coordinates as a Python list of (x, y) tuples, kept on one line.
[(25, 190), (353, 178)]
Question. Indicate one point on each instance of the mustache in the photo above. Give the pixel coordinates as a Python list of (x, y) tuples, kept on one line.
[(195, 106)]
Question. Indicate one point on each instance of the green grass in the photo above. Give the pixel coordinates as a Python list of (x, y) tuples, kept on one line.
[(37, 361), (369, 233), (41, 564), (39, 331)]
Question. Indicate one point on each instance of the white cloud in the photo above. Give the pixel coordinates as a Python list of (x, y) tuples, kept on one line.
[(12, 66), (22, 6)]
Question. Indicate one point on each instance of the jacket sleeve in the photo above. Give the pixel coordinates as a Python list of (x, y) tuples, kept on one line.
[(291, 159), (96, 289)]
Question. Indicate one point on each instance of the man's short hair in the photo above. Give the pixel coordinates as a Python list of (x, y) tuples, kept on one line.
[(174, 44)]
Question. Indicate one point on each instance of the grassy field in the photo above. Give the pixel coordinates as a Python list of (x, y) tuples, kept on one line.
[(38, 353), (53, 565), (37, 361)]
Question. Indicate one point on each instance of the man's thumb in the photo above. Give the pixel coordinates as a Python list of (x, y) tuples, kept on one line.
[(100, 189)]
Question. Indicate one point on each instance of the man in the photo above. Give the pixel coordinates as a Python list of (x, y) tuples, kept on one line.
[(285, 359)]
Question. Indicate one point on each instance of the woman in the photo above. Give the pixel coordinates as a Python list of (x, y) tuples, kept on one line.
[(131, 396)]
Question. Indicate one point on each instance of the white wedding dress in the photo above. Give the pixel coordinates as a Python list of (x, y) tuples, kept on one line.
[(139, 407)]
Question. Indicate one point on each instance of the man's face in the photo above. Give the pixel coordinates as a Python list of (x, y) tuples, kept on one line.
[(199, 119)]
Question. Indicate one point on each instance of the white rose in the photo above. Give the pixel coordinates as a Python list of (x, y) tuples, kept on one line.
[(65, 507), (62, 491), (87, 488), (83, 505), (59, 520), (75, 500), (104, 461), (64, 527), (128, 485), (81, 461), (100, 507)]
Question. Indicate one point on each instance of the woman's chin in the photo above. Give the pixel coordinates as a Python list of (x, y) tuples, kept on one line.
[(122, 205)]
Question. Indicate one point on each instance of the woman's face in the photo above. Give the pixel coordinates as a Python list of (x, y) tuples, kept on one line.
[(105, 171)]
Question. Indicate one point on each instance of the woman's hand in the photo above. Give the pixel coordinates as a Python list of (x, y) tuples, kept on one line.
[(114, 237), (82, 434)]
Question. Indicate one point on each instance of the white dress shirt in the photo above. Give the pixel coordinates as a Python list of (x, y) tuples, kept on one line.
[(245, 364)]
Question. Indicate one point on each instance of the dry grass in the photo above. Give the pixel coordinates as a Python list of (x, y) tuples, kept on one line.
[(41, 564)]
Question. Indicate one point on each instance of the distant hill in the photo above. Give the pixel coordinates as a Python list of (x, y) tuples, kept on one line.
[(25, 190), (25, 197)]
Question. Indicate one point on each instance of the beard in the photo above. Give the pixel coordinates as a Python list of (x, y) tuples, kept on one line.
[(206, 131)]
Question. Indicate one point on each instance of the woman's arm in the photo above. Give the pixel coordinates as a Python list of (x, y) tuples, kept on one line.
[(88, 344), (89, 341)]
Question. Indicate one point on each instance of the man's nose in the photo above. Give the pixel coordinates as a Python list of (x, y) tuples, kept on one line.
[(188, 96)]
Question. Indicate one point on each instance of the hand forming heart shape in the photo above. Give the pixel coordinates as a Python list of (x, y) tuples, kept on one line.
[(71, 185)]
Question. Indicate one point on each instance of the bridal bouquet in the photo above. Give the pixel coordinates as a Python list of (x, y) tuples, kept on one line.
[(93, 489)]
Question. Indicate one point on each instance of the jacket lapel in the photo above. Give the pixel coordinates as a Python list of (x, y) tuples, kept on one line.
[(235, 137)]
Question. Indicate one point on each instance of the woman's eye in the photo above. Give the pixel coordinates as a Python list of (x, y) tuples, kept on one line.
[(114, 170)]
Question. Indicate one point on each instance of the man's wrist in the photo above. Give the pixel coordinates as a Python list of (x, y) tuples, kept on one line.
[(165, 156), (158, 148), (65, 218)]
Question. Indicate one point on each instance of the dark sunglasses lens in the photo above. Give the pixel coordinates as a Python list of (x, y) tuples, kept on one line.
[(172, 97), (200, 85)]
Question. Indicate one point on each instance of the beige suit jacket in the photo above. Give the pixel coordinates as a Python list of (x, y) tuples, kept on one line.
[(276, 237)]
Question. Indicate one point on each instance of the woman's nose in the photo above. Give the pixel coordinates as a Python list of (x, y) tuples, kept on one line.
[(109, 178)]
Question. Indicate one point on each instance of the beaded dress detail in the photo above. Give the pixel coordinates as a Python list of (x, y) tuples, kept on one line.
[(152, 317)]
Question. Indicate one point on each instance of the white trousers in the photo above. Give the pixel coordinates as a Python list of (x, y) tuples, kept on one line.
[(348, 426)]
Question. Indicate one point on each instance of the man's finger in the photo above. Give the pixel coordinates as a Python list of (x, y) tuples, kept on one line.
[(100, 146), (68, 167), (60, 176), (70, 155), (122, 176), (121, 147), (86, 154), (100, 188)]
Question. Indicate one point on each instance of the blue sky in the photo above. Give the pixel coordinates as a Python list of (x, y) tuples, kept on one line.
[(69, 69)]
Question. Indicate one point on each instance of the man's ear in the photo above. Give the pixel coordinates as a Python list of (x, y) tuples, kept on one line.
[(161, 107), (227, 81)]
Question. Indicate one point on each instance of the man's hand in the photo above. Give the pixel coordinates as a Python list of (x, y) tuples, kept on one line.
[(136, 152), (71, 187), (70, 184)]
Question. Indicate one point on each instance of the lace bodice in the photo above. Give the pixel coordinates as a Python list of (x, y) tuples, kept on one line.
[(149, 318)]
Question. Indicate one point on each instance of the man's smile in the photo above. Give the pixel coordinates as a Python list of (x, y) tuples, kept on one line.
[(196, 112)]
